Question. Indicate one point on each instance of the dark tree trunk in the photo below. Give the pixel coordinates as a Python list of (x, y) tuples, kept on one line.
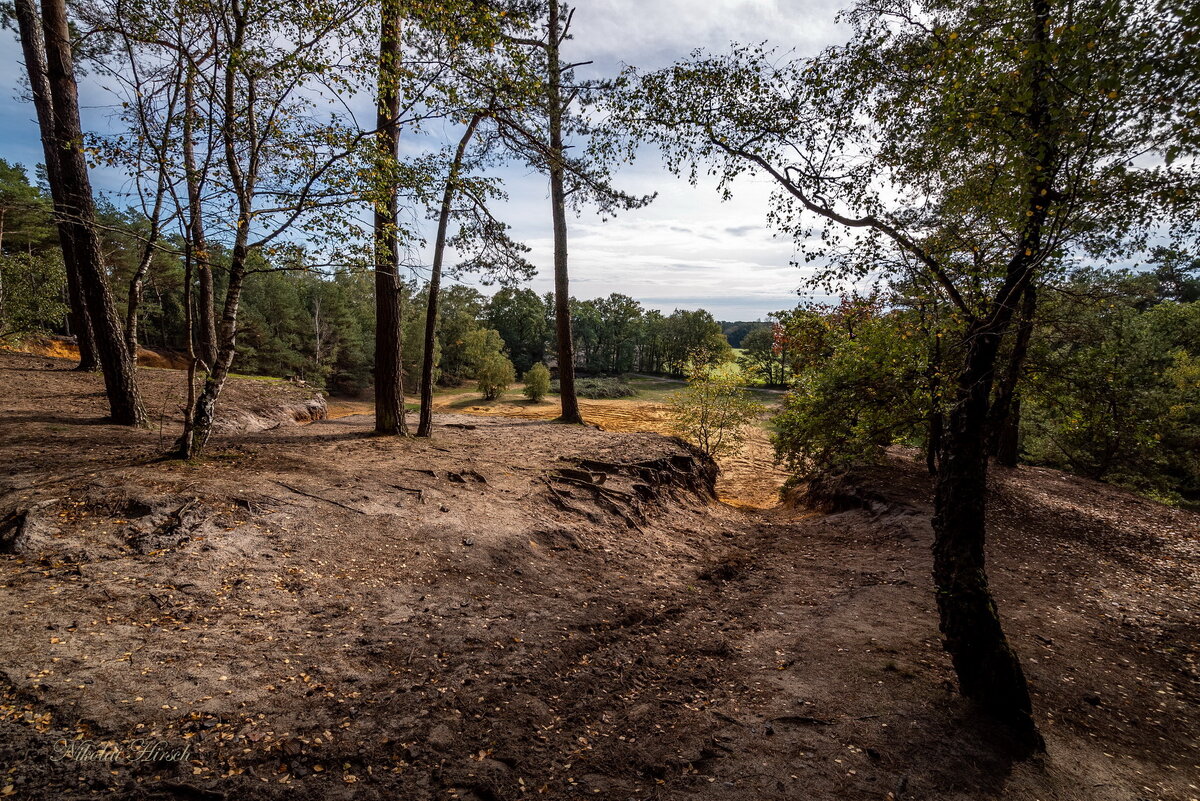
[(558, 206), (389, 370), (33, 47), (206, 328), (989, 672), (933, 448), (1008, 442), (120, 377), (425, 426), (1004, 417)]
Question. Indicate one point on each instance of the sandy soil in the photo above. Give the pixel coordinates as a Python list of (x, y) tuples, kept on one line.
[(520, 609), (749, 478)]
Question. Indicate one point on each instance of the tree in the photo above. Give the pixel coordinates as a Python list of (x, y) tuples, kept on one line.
[(519, 316), (389, 374), (67, 171), (33, 46), (968, 146), (494, 375), (280, 168), (537, 382), (579, 179), (714, 412), (764, 355)]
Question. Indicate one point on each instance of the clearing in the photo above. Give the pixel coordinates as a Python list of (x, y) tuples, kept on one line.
[(521, 609)]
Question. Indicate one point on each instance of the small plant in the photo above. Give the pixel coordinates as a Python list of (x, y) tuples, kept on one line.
[(537, 382), (714, 411), (495, 374)]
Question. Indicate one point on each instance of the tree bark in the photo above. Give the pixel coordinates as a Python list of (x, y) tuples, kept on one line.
[(33, 47), (989, 672), (425, 426), (1004, 417), (562, 293), (133, 302), (389, 370), (206, 332), (120, 377), (205, 409)]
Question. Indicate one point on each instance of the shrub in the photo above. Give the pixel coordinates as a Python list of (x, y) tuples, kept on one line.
[(495, 373), (537, 382), (714, 411)]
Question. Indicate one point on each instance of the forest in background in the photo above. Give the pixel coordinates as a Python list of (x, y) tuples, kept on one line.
[(982, 167)]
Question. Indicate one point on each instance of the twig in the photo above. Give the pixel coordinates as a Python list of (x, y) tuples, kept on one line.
[(318, 497)]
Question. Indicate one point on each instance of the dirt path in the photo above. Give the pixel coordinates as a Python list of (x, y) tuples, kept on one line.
[(316, 613)]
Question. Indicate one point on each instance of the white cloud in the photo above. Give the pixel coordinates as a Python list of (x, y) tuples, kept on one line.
[(686, 249)]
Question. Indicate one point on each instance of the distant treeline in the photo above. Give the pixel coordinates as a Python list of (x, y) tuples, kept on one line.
[(318, 324)]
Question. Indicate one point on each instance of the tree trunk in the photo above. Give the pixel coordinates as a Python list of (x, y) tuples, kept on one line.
[(33, 47), (135, 283), (558, 206), (1003, 418), (1008, 443), (120, 377), (389, 370), (933, 448), (989, 672), (206, 333), (206, 405), (425, 426)]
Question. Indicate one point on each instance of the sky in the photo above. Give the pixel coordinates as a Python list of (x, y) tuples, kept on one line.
[(687, 249)]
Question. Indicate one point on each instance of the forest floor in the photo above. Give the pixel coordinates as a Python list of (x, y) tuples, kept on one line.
[(521, 609)]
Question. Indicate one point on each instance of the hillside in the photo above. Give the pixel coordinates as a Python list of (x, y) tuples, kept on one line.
[(519, 609)]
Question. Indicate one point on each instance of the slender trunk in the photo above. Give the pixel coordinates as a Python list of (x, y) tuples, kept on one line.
[(1003, 419), (244, 180), (135, 283), (558, 207), (425, 426), (120, 377), (389, 369), (184, 445), (205, 409), (33, 47), (206, 331)]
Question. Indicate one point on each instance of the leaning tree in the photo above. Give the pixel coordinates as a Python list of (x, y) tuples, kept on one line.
[(968, 146)]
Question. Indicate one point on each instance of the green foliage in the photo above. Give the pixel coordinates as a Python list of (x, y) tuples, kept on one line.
[(537, 382), (26, 218), (1112, 389), (858, 387), (520, 317), (494, 374), (714, 412), (765, 356), (480, 344), (31, 296)]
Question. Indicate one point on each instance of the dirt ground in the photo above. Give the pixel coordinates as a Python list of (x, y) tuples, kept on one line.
[(520, 609), (749, 479)]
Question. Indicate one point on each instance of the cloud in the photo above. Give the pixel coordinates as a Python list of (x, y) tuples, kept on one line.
[(687, 249)]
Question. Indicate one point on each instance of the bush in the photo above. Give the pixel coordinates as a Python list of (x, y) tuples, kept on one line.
[(495, 373), (537, 382), (714, 411), (600, 388)]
